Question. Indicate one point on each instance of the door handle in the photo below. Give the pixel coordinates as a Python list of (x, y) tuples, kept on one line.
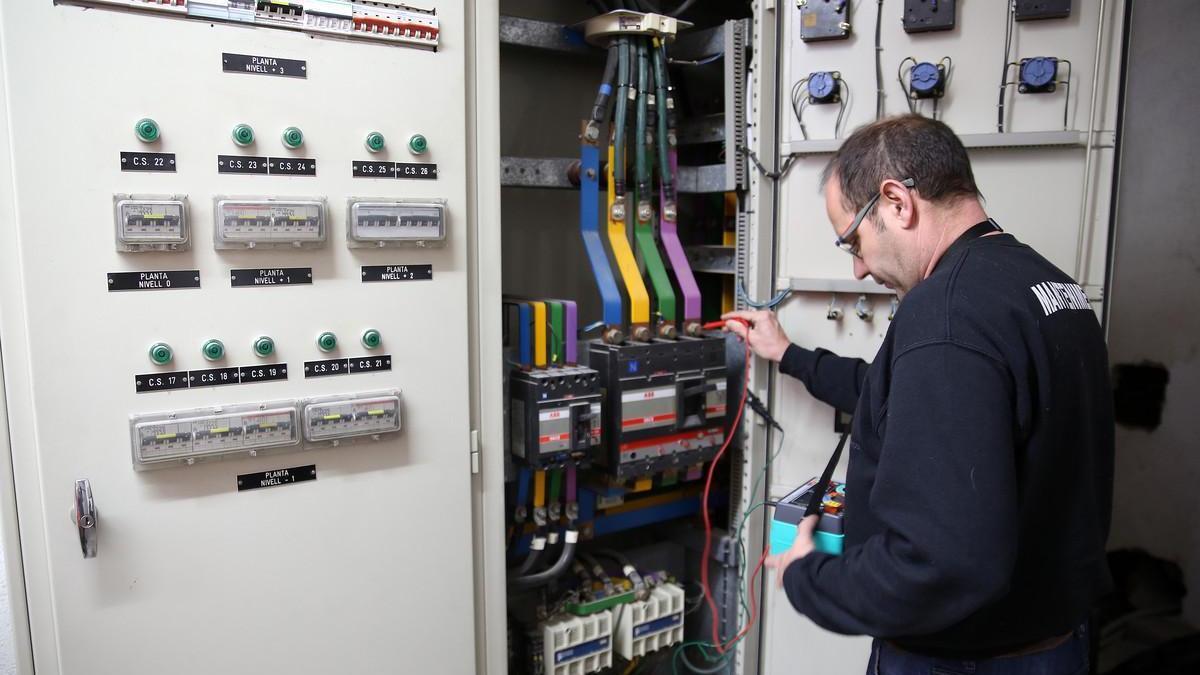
[(85, 517)]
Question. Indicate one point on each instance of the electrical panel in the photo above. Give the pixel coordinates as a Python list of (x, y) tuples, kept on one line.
[(1028, 10), (922, 16), (824, 20), (203, 328)]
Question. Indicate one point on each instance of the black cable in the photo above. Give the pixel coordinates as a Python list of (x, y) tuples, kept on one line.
[(798, 100), (604, 93), (878, 63), (1008, 31), (530, 561), (837, 125), (904, 88), (556, 570), (599, 6), (772, 175)]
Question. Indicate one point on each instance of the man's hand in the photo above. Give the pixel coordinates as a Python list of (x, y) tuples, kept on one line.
[(765, 335), (800, 548)]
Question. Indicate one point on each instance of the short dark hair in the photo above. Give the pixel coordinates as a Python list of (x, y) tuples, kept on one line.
[(900, 147)]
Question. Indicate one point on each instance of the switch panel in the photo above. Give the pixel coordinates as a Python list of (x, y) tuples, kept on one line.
[(922, 16), (151, 222), (824, 20), (188, 436), (335, 418), (269, 222), (1030, 10), (373, 223)]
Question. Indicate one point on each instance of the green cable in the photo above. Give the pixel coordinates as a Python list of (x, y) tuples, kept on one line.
[(644, 229), (660, 83), (742, 582), (555, 484), (557, 334)]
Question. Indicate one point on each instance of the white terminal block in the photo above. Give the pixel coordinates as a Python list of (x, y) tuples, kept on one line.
[(269, 222), (348, 416), (375, 223), (651, 624), (151, 222), (203, 434), (574, 645)]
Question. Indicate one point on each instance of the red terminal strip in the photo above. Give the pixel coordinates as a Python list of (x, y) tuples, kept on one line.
[(394, 27)]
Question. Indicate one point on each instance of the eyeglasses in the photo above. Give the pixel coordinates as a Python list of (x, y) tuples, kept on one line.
[(844, 241)]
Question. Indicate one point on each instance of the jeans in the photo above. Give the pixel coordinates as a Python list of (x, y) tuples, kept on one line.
[(1068, 658)]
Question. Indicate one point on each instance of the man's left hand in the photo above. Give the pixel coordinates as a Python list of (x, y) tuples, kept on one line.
[(800, 548)]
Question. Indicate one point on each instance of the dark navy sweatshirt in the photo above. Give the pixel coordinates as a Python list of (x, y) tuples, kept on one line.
[(979, 486)]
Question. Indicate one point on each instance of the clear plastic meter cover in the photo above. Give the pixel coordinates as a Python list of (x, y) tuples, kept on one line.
[(151, 222), (396, 222), (249, 222)]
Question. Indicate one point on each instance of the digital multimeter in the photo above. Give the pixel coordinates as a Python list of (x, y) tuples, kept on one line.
[(790, 510)]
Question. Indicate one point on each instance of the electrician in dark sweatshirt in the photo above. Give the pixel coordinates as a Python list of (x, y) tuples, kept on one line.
[(979, 484)]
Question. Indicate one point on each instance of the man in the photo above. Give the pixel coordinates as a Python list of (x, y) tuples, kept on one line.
[(980, 472)]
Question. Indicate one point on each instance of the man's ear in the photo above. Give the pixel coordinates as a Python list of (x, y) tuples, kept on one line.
[(898, 202)]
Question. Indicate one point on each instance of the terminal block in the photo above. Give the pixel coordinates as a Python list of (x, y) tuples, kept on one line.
[(269, 222), (377, 223), (574, 645), (151, 222), (666, 403), (203, 434), (651, 624), (555, 416), (332, 419)]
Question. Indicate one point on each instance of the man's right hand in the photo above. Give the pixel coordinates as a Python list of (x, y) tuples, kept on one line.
[(764, 334)]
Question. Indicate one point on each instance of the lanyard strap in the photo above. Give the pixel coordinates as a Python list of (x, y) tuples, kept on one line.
[(818, 494)]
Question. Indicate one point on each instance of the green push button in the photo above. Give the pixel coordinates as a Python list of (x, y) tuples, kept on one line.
[(326, 341), (214, 350), (375, 141), (371, 338), (293, 137), (418, 144), (264, 346), (161, 353), (146, 129), (243, 134)]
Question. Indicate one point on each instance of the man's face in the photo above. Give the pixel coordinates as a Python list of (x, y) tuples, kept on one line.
[(878, 250)]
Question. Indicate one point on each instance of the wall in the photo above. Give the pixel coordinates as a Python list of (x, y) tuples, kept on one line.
[(1035, 193), (1155, 312), (8, 663)]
